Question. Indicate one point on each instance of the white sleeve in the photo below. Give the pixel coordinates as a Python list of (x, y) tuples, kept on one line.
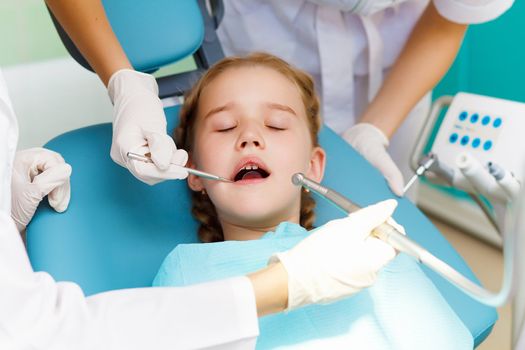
[(39, 313), (472, 11)]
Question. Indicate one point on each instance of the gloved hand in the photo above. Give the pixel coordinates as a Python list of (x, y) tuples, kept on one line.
[(371, 143), (339, 259), (38, 172), (140, 126)]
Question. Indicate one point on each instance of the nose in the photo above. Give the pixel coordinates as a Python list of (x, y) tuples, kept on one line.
[(250, 136)]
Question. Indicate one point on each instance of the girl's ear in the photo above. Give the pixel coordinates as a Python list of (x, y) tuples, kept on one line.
[(194, 182), (317, 164)]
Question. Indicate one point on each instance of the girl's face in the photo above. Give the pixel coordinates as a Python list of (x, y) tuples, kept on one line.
[(252, 128)]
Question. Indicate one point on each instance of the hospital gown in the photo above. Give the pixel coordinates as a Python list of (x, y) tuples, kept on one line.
[(402, 310)]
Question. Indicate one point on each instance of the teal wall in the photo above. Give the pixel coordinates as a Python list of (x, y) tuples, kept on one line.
[(492, 59)]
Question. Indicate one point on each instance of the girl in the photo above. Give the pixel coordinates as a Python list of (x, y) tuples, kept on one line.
[(254, 120)]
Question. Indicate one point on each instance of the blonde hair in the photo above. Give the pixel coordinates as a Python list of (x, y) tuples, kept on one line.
[(203, 209)]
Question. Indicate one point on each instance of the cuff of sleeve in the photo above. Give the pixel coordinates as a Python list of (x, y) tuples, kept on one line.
[(245, 308), (466, 12)]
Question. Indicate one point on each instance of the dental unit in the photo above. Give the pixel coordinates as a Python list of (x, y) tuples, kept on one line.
[(477, 149)]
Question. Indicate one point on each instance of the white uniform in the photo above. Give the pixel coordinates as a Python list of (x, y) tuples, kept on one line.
[(347, 45), (40, 313)]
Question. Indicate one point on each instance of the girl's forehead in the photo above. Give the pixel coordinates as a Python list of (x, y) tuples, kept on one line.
[(256, 76), (255, 81)]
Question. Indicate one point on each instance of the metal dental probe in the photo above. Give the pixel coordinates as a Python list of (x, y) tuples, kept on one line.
[(144, 158)]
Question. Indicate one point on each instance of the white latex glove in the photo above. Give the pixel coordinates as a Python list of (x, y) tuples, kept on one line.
[(338, 259), (371, 143), (140, 126), (38, 172)]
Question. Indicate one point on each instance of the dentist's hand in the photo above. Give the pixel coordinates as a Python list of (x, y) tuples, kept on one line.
[(371, 143), (38, 172), (338, 259), (140, 126)]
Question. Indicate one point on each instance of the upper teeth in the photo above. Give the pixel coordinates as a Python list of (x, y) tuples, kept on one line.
[(251, 167)]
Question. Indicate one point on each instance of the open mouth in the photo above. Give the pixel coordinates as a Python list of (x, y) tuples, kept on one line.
[(251, 171)]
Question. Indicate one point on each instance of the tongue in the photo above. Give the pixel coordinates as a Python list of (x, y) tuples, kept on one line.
[(251, 175)]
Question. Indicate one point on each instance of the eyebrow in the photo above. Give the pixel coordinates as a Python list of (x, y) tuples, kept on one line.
[(222, 108), (280, 107), (228, 106)]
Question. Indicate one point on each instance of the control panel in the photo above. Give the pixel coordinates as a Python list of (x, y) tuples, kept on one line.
[(491, 129)]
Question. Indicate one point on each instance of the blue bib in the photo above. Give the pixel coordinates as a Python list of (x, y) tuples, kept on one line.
[(402, 310)]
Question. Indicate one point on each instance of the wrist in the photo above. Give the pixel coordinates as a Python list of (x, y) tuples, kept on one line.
[(19, 225), (126, 81), (364, 132), (381, 124), (270, 286)]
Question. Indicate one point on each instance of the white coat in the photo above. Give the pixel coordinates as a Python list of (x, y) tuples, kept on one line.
[(37, 312), (346, 45)]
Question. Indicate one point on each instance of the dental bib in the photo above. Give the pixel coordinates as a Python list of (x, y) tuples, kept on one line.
[(403, 310)]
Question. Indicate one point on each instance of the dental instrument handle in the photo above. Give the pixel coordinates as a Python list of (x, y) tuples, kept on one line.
[(146, 159), (398, 241), (505, 179), (384, 232), (424, 165), (479, 177), (402, 243)]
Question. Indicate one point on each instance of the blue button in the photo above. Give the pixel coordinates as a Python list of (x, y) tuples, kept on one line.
[(474, 118), (487, 145), (463, 116), (453, 138), (476, 142), (497, 122), (464, 140), (485, 120)]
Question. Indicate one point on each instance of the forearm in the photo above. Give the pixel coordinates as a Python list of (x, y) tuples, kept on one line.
[(270, 287), (86, 23), (426, 57)]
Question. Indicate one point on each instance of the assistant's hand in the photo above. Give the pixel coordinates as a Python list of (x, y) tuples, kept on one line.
[(338, 259), (38, 172), (371, 143), (140, 126)]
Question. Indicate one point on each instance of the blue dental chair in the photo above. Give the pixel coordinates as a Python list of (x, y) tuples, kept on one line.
[(117, 230)]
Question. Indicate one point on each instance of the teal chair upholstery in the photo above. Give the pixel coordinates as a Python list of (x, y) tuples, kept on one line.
[(117, 230)]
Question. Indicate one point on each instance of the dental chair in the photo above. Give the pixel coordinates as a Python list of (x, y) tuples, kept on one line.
[(117, 230)]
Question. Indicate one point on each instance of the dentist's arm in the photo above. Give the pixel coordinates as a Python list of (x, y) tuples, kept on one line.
[(336, 261), (86, 24), (139, 122), (426, 57)]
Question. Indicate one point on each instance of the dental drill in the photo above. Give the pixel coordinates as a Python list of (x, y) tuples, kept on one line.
[(424, 165), (402, 243)]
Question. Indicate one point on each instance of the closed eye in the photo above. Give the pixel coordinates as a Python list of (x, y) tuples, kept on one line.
[(226, 129), (275, 128)]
